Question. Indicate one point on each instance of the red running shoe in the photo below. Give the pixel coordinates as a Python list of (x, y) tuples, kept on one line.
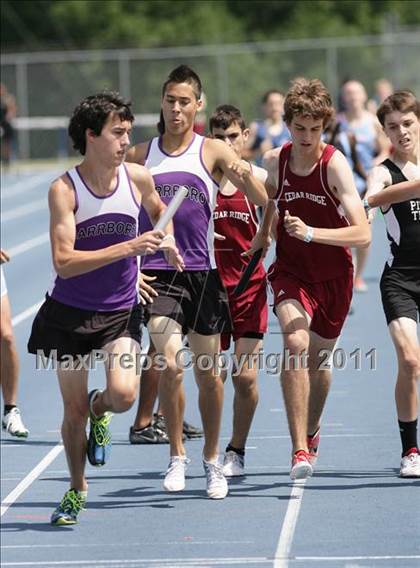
[(301, 465)]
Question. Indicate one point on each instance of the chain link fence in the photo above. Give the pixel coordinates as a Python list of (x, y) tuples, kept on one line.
[(48, 85)]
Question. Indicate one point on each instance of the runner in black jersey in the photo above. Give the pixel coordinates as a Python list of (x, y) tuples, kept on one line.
[(400, 283)]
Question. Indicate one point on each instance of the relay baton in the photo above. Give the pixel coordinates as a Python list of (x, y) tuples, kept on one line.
[(171, 209), (247, 273)]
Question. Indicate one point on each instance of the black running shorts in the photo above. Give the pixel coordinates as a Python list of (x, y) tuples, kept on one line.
[(71, 331), (400, 290), (197, 300)]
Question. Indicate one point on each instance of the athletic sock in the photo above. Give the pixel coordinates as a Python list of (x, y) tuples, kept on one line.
[(83, 494), (408, 433), (239, 451), (8, 407)]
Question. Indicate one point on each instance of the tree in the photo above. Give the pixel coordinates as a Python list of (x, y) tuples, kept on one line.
[(89, 24)]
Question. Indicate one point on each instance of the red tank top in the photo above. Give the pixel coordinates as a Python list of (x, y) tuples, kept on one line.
[(310, 199), (235, 218)]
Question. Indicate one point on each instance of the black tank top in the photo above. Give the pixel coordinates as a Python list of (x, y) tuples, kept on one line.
[(402, 226)]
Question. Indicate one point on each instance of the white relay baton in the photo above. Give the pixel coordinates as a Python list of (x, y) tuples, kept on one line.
[(171, 209)]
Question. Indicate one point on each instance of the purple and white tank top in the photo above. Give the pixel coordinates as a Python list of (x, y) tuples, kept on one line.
[(100, 223), (193, 222)]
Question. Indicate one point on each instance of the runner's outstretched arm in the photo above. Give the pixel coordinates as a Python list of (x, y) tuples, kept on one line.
[(395, 194)]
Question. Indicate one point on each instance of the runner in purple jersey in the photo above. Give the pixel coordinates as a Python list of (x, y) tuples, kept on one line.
[(91, 312), (193, 302)]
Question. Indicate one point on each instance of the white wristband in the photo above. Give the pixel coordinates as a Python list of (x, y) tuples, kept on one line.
[(309, 234), (366, 204), (162, 243)]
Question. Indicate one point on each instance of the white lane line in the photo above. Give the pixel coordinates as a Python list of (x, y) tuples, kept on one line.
[(29, 244), (344, 558), (142, 562), (27, 184), (45, 462), (63, 471), (284, 545), (48, 459), (182, 562), (26, 313), (24, 210), (287, 436), (30, 478), (130, 544)]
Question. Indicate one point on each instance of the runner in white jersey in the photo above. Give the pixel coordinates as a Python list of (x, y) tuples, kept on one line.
[(12, 421), (92, 305), (399, 115), (194, 302)]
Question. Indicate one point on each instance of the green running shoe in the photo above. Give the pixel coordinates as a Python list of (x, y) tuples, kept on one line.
[(71, 504), (99, 442)]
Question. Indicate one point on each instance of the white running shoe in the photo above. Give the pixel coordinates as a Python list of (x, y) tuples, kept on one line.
[(217, 487), (175, 474), (12, 423), (233, 464), (410, 465)]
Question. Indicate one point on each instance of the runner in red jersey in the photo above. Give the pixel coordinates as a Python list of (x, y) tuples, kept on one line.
[(236, 222), (320, 215)]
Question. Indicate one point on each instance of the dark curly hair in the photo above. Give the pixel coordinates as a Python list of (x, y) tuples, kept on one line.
[(92, 112)]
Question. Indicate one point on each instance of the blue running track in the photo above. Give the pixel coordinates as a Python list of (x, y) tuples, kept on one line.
[(354, 512)]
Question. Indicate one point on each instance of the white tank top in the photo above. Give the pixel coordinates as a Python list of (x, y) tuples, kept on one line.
[(102, 222), (193, 222)]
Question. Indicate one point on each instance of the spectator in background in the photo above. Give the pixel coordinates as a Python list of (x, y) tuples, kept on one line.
[(346, 143), (340, 102), (269, 133), (7, 114), (200, 121), (383, 89), (371, 147)]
